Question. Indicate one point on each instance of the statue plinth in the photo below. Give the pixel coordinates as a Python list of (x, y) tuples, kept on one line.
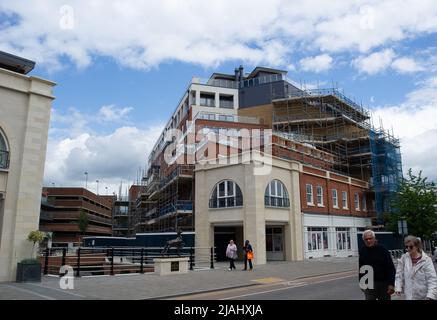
[(165, 266)]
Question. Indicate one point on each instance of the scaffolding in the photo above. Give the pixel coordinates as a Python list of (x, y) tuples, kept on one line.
[(331, 122), (169, 197), (386, 169)]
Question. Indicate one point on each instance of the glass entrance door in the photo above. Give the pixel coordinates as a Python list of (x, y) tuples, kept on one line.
[(274, 243), (317, 241), (343, 241)]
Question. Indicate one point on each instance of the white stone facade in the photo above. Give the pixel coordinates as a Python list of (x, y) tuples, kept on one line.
[(338, 235), (253, 215), (25, 106)]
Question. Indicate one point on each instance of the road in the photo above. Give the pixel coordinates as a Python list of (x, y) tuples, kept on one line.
[(339, 286)]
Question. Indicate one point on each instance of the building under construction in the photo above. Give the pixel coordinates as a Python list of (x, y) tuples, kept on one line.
[(333, 123), (328, 136)]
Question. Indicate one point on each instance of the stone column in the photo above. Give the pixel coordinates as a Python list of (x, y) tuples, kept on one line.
[(295, 215), (202, 227), (254, 216)]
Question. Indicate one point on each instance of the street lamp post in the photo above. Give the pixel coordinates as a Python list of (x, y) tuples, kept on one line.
[(86, 180), (97, 187), (106, 190)]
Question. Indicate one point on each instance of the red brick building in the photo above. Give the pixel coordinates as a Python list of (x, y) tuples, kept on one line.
[(61, 208)]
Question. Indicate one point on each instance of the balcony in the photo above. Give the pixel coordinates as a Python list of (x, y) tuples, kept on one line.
[(228, 202), (276, 202), (222, 83), (262, 80), (228, 118)]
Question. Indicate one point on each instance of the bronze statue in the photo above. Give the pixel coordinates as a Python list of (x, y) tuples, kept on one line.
[(174, 243)]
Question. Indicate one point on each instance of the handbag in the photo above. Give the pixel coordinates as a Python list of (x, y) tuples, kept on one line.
[(250, 255)]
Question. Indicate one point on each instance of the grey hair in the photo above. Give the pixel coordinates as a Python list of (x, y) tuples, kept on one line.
[(415, 241), (369, 231)]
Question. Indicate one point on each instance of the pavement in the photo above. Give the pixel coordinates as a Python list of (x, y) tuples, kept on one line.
[(152, 286)]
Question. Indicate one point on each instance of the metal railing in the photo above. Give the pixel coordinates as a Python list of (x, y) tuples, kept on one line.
[(227, 202), (261, 80), (89, 261), (276, 202), (223, 117), (396, 254)]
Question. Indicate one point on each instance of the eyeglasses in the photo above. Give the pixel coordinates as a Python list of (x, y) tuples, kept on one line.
[(409, 247)]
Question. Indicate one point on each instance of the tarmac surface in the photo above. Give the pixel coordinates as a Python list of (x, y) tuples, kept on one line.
[(152, 286)]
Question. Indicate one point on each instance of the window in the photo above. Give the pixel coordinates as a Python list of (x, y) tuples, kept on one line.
[(334, 198), (319, 196), (276, 195), (310, 200), (344, 199), (343, 238), (226, 194), (226, 101), (364, 202), (357, 201), (317, 238), (4, 152), (207, 99)]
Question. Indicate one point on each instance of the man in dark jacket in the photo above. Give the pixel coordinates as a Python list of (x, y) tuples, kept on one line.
[(375, 257)]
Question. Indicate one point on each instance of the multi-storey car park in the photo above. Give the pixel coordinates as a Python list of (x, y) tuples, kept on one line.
[(332, 173)]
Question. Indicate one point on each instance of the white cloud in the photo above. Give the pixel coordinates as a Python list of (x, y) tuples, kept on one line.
[(406, 65), (108, 158), (415, 121), (375, 62), (112, 113), (382, 60), (74, 147), (316, 64), (143, 34)]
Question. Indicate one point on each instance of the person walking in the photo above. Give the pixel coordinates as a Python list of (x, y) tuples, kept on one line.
[(248, 255), (415, 274), (231, 254), (379, 259)]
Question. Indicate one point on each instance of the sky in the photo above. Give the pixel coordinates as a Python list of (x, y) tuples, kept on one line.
[(121, 68)]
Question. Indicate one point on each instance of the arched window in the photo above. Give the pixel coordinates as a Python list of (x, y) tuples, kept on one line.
[(276, 195), (226, 194), (4, 152)]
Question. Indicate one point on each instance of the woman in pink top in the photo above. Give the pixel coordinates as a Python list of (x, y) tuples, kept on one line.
[(231, 254)]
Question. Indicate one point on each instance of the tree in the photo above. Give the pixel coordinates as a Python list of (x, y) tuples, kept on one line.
[(416, 202), (82, 223), (35, 237)]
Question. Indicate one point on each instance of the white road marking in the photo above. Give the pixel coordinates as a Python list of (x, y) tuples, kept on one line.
[(60, 290), (286, 288), (31, 292)]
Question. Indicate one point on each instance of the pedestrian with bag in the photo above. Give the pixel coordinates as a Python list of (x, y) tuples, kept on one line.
[(248, 255), (415, 275), (231, 254)]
